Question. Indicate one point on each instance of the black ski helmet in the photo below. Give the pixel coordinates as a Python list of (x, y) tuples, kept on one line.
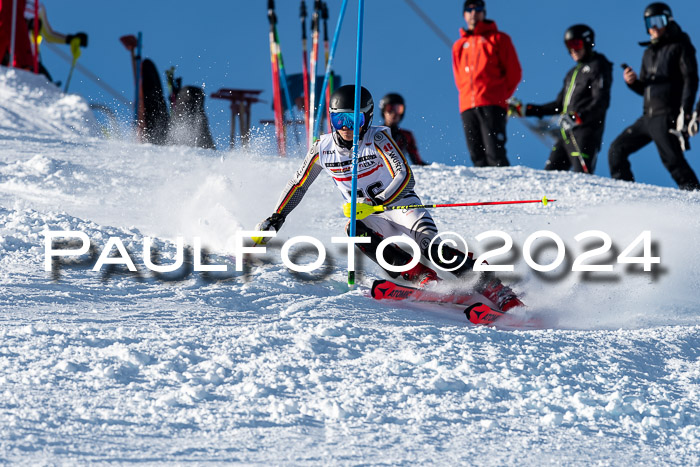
[(582, 32), (392, 99), (657, 9), (343, 100), (476, 3)]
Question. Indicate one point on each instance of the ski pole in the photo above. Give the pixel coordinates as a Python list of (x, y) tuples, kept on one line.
[(14, 33), (133, 45), (129, 42), (329, 66), (578, 151), (75, 51), (364, 210), (540, 131), (356, 129), (305, 68), (430, 23), (137, 62), (88, 74), (36, 37)]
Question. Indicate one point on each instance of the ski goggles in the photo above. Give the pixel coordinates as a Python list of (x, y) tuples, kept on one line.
[(346, 119), (396, 108), (657, 21), (469, 9), (574, 44)]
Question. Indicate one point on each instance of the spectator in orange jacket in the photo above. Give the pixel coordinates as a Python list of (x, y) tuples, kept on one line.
[(487, 72)]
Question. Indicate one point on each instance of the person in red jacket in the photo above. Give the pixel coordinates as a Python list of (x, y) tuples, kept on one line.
[(487, 72), (23, 51)]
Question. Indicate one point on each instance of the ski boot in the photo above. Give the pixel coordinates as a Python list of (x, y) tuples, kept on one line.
[(421, 275), (501, 295)]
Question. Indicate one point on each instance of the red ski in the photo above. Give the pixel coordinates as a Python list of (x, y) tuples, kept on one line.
[(477, 311)]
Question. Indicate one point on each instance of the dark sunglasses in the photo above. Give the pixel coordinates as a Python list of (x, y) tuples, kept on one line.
[(470, 9)]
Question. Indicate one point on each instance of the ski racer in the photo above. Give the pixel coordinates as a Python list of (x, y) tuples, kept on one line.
[(487, 72), (393, 108), (581, 104), (384, 178), (668, 80)]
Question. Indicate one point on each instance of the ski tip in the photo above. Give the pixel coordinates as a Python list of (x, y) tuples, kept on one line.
[(377, 290), (482, 315)]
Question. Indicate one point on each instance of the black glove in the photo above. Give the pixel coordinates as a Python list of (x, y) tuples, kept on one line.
[(532, 110), (515, 107), (30, 25), (80, 35), (568, 121), (274, 223)]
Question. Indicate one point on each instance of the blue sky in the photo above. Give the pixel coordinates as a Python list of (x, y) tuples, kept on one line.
[(225, 44)]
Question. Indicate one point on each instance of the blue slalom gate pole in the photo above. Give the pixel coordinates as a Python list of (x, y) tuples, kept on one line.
[(356, 130), (329, 67)]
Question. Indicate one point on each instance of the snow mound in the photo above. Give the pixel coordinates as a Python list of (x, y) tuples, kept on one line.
[(272, 367), (32, 107)]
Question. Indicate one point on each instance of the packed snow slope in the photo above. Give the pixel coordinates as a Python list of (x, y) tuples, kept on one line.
[(267, 366)]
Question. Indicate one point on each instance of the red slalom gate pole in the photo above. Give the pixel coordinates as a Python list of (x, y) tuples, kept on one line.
[(326, 47), (276, 94)]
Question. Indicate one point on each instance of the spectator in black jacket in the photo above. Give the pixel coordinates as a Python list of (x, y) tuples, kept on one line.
[(668, 81), (581, 104)]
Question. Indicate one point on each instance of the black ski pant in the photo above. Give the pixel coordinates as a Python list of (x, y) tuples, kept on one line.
[(485, 130), (573, 145), (395, 256), (639, 134)]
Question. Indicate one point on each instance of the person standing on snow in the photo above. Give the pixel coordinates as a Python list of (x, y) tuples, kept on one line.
[(24, 53), (23, 50), (393, 107), (668, 80), (487, 72), (47, 33), (384, 177), (581, 104)]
